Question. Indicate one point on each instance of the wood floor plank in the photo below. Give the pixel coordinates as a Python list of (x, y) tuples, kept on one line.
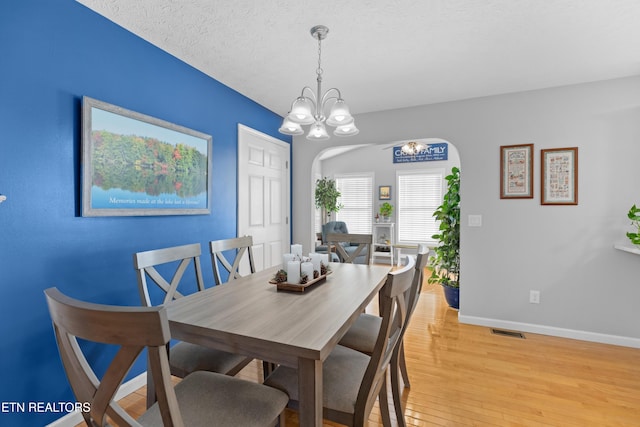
[(463, 375)]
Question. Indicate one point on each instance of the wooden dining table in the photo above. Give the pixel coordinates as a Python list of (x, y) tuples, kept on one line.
[(250, 316)]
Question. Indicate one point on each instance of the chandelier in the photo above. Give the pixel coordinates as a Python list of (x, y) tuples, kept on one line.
[(412, 148), (309, 108)]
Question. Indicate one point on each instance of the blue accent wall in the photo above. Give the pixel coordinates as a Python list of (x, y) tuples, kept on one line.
[(53, 53)]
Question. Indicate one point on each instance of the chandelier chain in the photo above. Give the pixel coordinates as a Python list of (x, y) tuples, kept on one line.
[(319, 70)]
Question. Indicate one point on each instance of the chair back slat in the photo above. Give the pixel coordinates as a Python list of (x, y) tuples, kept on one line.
[(132, 329), (416, 286), (393, 310), (363, 242), (240, 246), (146, 262)]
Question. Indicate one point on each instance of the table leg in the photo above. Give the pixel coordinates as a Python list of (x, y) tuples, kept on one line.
[(310, 392)]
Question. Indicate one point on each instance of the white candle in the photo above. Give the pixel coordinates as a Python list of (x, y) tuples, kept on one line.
[(325, 259), (306, 268), (316, 259), (293, 271), (286, 258), (297, 250)]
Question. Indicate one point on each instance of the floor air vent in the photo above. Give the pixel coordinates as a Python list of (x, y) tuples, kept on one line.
[(505, 333)]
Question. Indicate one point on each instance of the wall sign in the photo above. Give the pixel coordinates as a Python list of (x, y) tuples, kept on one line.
[(431, 152)]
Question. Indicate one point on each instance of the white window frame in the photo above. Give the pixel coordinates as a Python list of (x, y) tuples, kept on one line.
[(400, 227), (364, 225)]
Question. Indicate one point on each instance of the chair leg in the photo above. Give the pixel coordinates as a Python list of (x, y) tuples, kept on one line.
[(282, 420), (151, 387), (403, 367), (267, 369), (383, 402), (395, 386)]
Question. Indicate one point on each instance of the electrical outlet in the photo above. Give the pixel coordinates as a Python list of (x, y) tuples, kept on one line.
[(534, 297)]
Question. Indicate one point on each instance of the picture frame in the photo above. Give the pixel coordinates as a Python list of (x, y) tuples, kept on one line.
[(138, 165), (559, 176), (384, 192), (516, 171)]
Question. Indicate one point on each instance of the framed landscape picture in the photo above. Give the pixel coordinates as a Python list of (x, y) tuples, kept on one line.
[(559, 176), (516, 171), (135, 165)]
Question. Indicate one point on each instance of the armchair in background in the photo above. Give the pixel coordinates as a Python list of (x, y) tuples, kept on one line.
[(333, 227)]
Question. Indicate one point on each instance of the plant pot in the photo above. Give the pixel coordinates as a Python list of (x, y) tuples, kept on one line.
[(452, 295)]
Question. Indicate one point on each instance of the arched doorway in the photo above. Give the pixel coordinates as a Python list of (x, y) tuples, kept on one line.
[(377, 160)]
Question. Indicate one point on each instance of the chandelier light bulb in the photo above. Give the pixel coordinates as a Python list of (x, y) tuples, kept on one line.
[(301, 112), (412, 148), (290, 128), (318, 132), (339, 114), (346, 130)]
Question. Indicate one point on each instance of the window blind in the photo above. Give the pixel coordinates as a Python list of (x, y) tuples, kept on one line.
[(356, 196), (419, 195)]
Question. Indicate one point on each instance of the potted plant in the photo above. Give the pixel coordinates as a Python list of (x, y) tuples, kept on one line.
[(634, 216), (446, 262), (326, 197), (386, 209)]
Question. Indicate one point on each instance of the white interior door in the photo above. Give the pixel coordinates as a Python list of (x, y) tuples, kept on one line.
[(263, 195)]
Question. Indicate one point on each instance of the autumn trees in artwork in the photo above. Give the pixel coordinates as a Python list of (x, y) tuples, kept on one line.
[(145, 164)]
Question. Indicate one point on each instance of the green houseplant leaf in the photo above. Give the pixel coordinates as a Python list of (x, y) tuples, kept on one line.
[(326, 196), (634, 216), (386, 209), (446, 262)]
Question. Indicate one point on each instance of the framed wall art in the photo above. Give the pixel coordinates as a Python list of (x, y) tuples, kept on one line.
[(384, 192), (516, 171), (135, 165), (559, 176)]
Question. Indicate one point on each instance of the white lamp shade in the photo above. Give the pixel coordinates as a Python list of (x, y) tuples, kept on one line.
[(346, 130), (339, 114), (301, 111), (318, 132), (290, 128)]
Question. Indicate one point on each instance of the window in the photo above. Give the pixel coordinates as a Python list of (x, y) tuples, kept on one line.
[(419, 195), (357, 200)]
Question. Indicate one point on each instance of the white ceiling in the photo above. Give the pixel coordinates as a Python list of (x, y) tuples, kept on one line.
[(387, 54)]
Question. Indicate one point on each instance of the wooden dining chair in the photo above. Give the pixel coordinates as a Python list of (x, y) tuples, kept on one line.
[(350, 247), (352, 380), (200, 399), (185, 357), (363, 334), (240, 246)]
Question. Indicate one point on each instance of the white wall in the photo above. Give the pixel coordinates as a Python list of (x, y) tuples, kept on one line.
[(588, 289)]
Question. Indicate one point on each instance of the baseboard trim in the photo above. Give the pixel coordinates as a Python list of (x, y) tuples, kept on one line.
[(552, 331), (75, 418)]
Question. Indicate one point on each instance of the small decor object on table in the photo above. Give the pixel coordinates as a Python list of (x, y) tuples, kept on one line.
[(300, 276)]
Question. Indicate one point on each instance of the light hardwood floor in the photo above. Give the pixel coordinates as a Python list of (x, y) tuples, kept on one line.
[(463, 375)]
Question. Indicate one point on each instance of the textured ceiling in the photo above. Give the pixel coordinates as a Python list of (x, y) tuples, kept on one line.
[(386, 54)]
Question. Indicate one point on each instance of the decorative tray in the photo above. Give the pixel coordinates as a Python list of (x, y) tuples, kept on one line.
[(298, 287)]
